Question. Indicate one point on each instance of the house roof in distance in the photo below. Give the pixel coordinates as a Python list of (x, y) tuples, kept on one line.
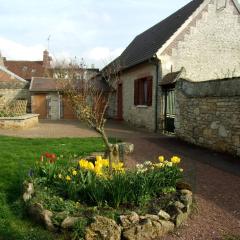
[(43, 84), (26, 69), (145, 45), (9, 80)]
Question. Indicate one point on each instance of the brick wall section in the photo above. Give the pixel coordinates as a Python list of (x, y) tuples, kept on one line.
[(208, 48), (141, 116), (208, 114)]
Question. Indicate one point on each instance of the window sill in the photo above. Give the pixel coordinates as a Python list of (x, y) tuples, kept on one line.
[(141, 106)]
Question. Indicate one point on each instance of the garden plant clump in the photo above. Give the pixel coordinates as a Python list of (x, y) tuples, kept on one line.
[(72, 194)]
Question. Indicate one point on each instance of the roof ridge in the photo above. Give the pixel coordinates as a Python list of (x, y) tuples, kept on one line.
[(147, 43)]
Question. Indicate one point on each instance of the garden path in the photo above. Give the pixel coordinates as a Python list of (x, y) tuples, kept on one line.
[(215, 177)]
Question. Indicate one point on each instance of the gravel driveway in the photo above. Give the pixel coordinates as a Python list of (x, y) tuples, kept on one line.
[(215, 177)]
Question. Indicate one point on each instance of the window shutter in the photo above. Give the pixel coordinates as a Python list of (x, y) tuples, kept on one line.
[(149, 91), (136, 92)]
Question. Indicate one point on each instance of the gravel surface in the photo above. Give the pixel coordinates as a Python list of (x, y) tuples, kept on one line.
[(215, 177)]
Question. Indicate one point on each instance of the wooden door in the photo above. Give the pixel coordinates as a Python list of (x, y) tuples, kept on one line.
[(39, 105), (119, 102), (67, 112)]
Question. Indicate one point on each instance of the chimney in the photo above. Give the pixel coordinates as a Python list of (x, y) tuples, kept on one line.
[(46, 59)]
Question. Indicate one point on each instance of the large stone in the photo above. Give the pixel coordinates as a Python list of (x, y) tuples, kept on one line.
[(47, 215), (222, 131), (128, 220), (151, 217), (183, 185), (41, 215), (179, 205), (69, 222), (28, 191), (35, 211), (164, 215), (126, 147), (148, 229), (186, 197), (181, 218), (103, 229)]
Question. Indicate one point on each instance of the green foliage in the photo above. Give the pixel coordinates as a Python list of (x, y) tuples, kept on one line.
[(17, 157), (79, 229), (126, 187)]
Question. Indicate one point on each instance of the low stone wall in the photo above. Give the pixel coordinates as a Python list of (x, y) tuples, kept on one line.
[(208, 114), (20, 122)]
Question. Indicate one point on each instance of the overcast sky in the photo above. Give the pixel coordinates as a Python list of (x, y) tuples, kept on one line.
[(96, 30)]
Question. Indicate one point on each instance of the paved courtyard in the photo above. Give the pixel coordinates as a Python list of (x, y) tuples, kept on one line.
[(215, 177)]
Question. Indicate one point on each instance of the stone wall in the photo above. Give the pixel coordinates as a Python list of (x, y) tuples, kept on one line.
[(20, 122), (112, 108), (141, 116), (208, 114), (208, 47)]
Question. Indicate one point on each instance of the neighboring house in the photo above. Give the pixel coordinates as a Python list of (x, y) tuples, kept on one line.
[(199, 42), (47, 100), (29, 69), (47, 97), (44, 97), (12, 87)]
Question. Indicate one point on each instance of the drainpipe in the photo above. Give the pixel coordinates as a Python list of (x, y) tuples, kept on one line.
[(157, 63)]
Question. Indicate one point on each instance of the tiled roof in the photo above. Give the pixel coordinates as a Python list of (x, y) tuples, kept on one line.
[(26, 69), (41, 84), (170, 78), (145, 45), (9, 80)]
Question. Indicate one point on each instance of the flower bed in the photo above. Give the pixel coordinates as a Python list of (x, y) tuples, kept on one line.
[(98, 202)]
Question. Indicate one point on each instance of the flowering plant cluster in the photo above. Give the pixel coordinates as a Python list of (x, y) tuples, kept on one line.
[(92, 182), (174, 161)]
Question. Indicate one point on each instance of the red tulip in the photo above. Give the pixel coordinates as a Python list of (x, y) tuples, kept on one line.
[(48, 155)]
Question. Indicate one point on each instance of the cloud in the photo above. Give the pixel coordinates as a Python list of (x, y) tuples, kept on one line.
[(15, 51), (103, 53)]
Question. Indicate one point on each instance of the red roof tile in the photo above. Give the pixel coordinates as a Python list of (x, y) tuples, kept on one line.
[(26, 69)]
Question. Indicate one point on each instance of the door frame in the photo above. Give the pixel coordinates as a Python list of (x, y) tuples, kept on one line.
[(169, 107), (120, 102)]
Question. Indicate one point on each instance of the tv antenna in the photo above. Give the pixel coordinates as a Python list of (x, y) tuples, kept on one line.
[(48, 42)]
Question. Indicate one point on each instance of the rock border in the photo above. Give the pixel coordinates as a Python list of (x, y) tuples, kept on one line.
[(130, 227)]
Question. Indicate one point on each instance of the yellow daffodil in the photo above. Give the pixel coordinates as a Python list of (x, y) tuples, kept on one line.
[(68, 178), (74, 172), (175, 160), (98, 158), (86, 164), (161, 159), (105, 162), (118, 167), (98, 170)]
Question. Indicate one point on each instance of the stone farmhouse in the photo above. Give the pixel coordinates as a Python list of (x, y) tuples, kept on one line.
[(199, 43), (47, 97)]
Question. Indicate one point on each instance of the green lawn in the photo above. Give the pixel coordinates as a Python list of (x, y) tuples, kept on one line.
[(17, 155)]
